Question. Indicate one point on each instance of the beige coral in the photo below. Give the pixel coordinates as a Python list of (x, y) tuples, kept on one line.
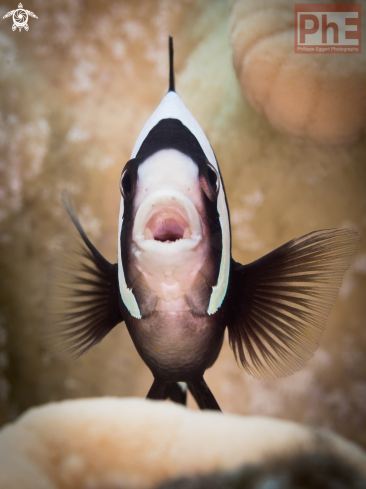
[(321, 97), (134, 443)]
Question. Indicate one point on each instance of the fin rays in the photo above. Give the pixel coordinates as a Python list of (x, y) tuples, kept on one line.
[(83, 294), (281, 302)]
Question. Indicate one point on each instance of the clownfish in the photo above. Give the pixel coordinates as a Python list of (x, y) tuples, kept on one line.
[(175, 284)]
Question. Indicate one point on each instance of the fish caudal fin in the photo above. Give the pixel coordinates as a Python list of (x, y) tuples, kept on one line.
[(279, 304), (82, 306), (171, 66)]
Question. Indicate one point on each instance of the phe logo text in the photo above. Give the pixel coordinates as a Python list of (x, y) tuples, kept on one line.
[(327, 28)]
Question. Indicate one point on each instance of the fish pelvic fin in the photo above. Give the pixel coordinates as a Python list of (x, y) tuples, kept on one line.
[(161, 390), (203, 395), (280, 303), (83, 293), (171, 66)]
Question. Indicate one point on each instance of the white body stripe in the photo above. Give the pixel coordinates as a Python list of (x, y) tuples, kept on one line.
[(172, 106), (126, 293)]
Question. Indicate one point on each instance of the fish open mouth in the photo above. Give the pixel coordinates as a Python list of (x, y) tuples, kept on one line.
[(168, 246), (168, 225), (166, 216)]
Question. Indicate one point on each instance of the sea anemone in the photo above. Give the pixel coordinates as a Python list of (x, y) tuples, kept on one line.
[(116, 443), (319, 97)]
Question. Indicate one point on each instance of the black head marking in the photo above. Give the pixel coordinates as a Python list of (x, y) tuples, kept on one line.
[(170, 134)]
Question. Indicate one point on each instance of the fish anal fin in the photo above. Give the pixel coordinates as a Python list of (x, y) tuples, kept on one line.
[(279, 304)]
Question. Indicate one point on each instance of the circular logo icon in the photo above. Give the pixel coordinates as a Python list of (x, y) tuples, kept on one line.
[(20, 19)]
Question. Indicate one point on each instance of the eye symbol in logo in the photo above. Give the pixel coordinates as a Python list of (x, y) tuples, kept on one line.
[(20, 17)]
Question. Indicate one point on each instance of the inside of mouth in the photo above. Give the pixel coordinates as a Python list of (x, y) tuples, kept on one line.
[(167, 226)]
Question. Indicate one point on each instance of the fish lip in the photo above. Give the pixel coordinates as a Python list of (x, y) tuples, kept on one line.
[(180, 205)]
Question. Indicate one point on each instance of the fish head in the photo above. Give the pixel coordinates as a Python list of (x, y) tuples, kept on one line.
[(171, 235), (173, 215)]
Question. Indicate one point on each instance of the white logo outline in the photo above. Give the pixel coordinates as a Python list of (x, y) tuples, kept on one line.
[(20, 18)]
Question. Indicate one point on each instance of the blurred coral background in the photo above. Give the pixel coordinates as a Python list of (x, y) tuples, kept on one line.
[(75, 91)]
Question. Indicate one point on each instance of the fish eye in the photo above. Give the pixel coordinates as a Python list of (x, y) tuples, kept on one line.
[(213, 178), (125, 184), (209, 181)]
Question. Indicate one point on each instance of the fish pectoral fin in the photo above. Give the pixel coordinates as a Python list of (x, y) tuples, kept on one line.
[(82, 303), (279, 304)]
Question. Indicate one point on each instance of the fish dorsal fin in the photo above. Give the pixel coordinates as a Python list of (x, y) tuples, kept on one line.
[(171, 65)]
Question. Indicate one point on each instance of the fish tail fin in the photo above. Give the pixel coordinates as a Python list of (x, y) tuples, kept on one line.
[(279, 304), (171, 66), (82, 294)]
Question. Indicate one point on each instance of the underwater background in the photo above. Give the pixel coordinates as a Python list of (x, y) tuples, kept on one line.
[(75, 91)]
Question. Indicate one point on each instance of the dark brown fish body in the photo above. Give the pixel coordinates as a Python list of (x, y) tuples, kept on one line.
[(175, 284), (177, 346)]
